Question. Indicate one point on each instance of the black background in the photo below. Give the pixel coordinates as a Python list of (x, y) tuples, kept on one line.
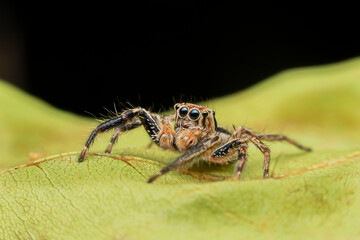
[(83, 57)]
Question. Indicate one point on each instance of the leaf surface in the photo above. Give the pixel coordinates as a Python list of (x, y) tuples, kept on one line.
[(310, 195)]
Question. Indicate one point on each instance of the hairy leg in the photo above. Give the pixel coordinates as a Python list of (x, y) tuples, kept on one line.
[(225, 150), (113, 140), (242, 158), (266, 151), (145, 118), (276, 137), (245, 135), (120, 130), (187, 157)]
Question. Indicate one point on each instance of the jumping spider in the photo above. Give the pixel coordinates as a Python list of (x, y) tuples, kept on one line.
[(195, 133)]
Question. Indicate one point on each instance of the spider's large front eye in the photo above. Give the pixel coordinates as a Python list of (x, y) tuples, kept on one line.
[(183, 111), (194, 114)]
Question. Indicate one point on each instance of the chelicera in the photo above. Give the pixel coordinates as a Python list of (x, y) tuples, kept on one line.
[(193, 131)]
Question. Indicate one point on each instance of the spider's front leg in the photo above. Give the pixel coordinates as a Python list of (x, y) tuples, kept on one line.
[(124, 123), (238, 141), (119, 130), (247, 135), (242, 158), (187, 156), (228, 149)]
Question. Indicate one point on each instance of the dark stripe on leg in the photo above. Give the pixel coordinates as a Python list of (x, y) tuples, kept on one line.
[(150, 125), (224, 150), (186, 157), (105, 126)]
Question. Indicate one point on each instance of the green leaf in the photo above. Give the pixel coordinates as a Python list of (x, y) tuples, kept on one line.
[(29, 125), (310, 195)]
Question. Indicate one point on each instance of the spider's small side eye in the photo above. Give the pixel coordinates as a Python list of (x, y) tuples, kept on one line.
[(204, 113), (194, 114), (176, 106), (183, 111)]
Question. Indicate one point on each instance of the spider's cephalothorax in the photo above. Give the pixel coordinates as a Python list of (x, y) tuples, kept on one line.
[(192, 124), (194, 133), (189, 115)]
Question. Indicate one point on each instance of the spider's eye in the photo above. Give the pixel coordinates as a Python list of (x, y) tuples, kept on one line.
[(194, 114), (176, 107), (183, 111), (204, 113)]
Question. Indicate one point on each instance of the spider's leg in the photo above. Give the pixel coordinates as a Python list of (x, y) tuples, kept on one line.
[(241, 147), (105, 126), (113, 140), (224, 150), (276, 137), (242, 158), (187, 157), (246, 135), (265, 150), (150, 124), (118, 122), (119, 130)]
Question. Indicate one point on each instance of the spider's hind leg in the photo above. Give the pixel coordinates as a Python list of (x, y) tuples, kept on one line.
[(277, 137)]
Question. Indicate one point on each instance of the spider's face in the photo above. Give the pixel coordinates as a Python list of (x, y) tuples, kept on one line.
[(189, 115)]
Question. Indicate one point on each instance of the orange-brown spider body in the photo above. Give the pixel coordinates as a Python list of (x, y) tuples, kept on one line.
[(193, 131)]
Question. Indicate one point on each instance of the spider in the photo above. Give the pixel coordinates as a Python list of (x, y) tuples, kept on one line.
[(195, 133)]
